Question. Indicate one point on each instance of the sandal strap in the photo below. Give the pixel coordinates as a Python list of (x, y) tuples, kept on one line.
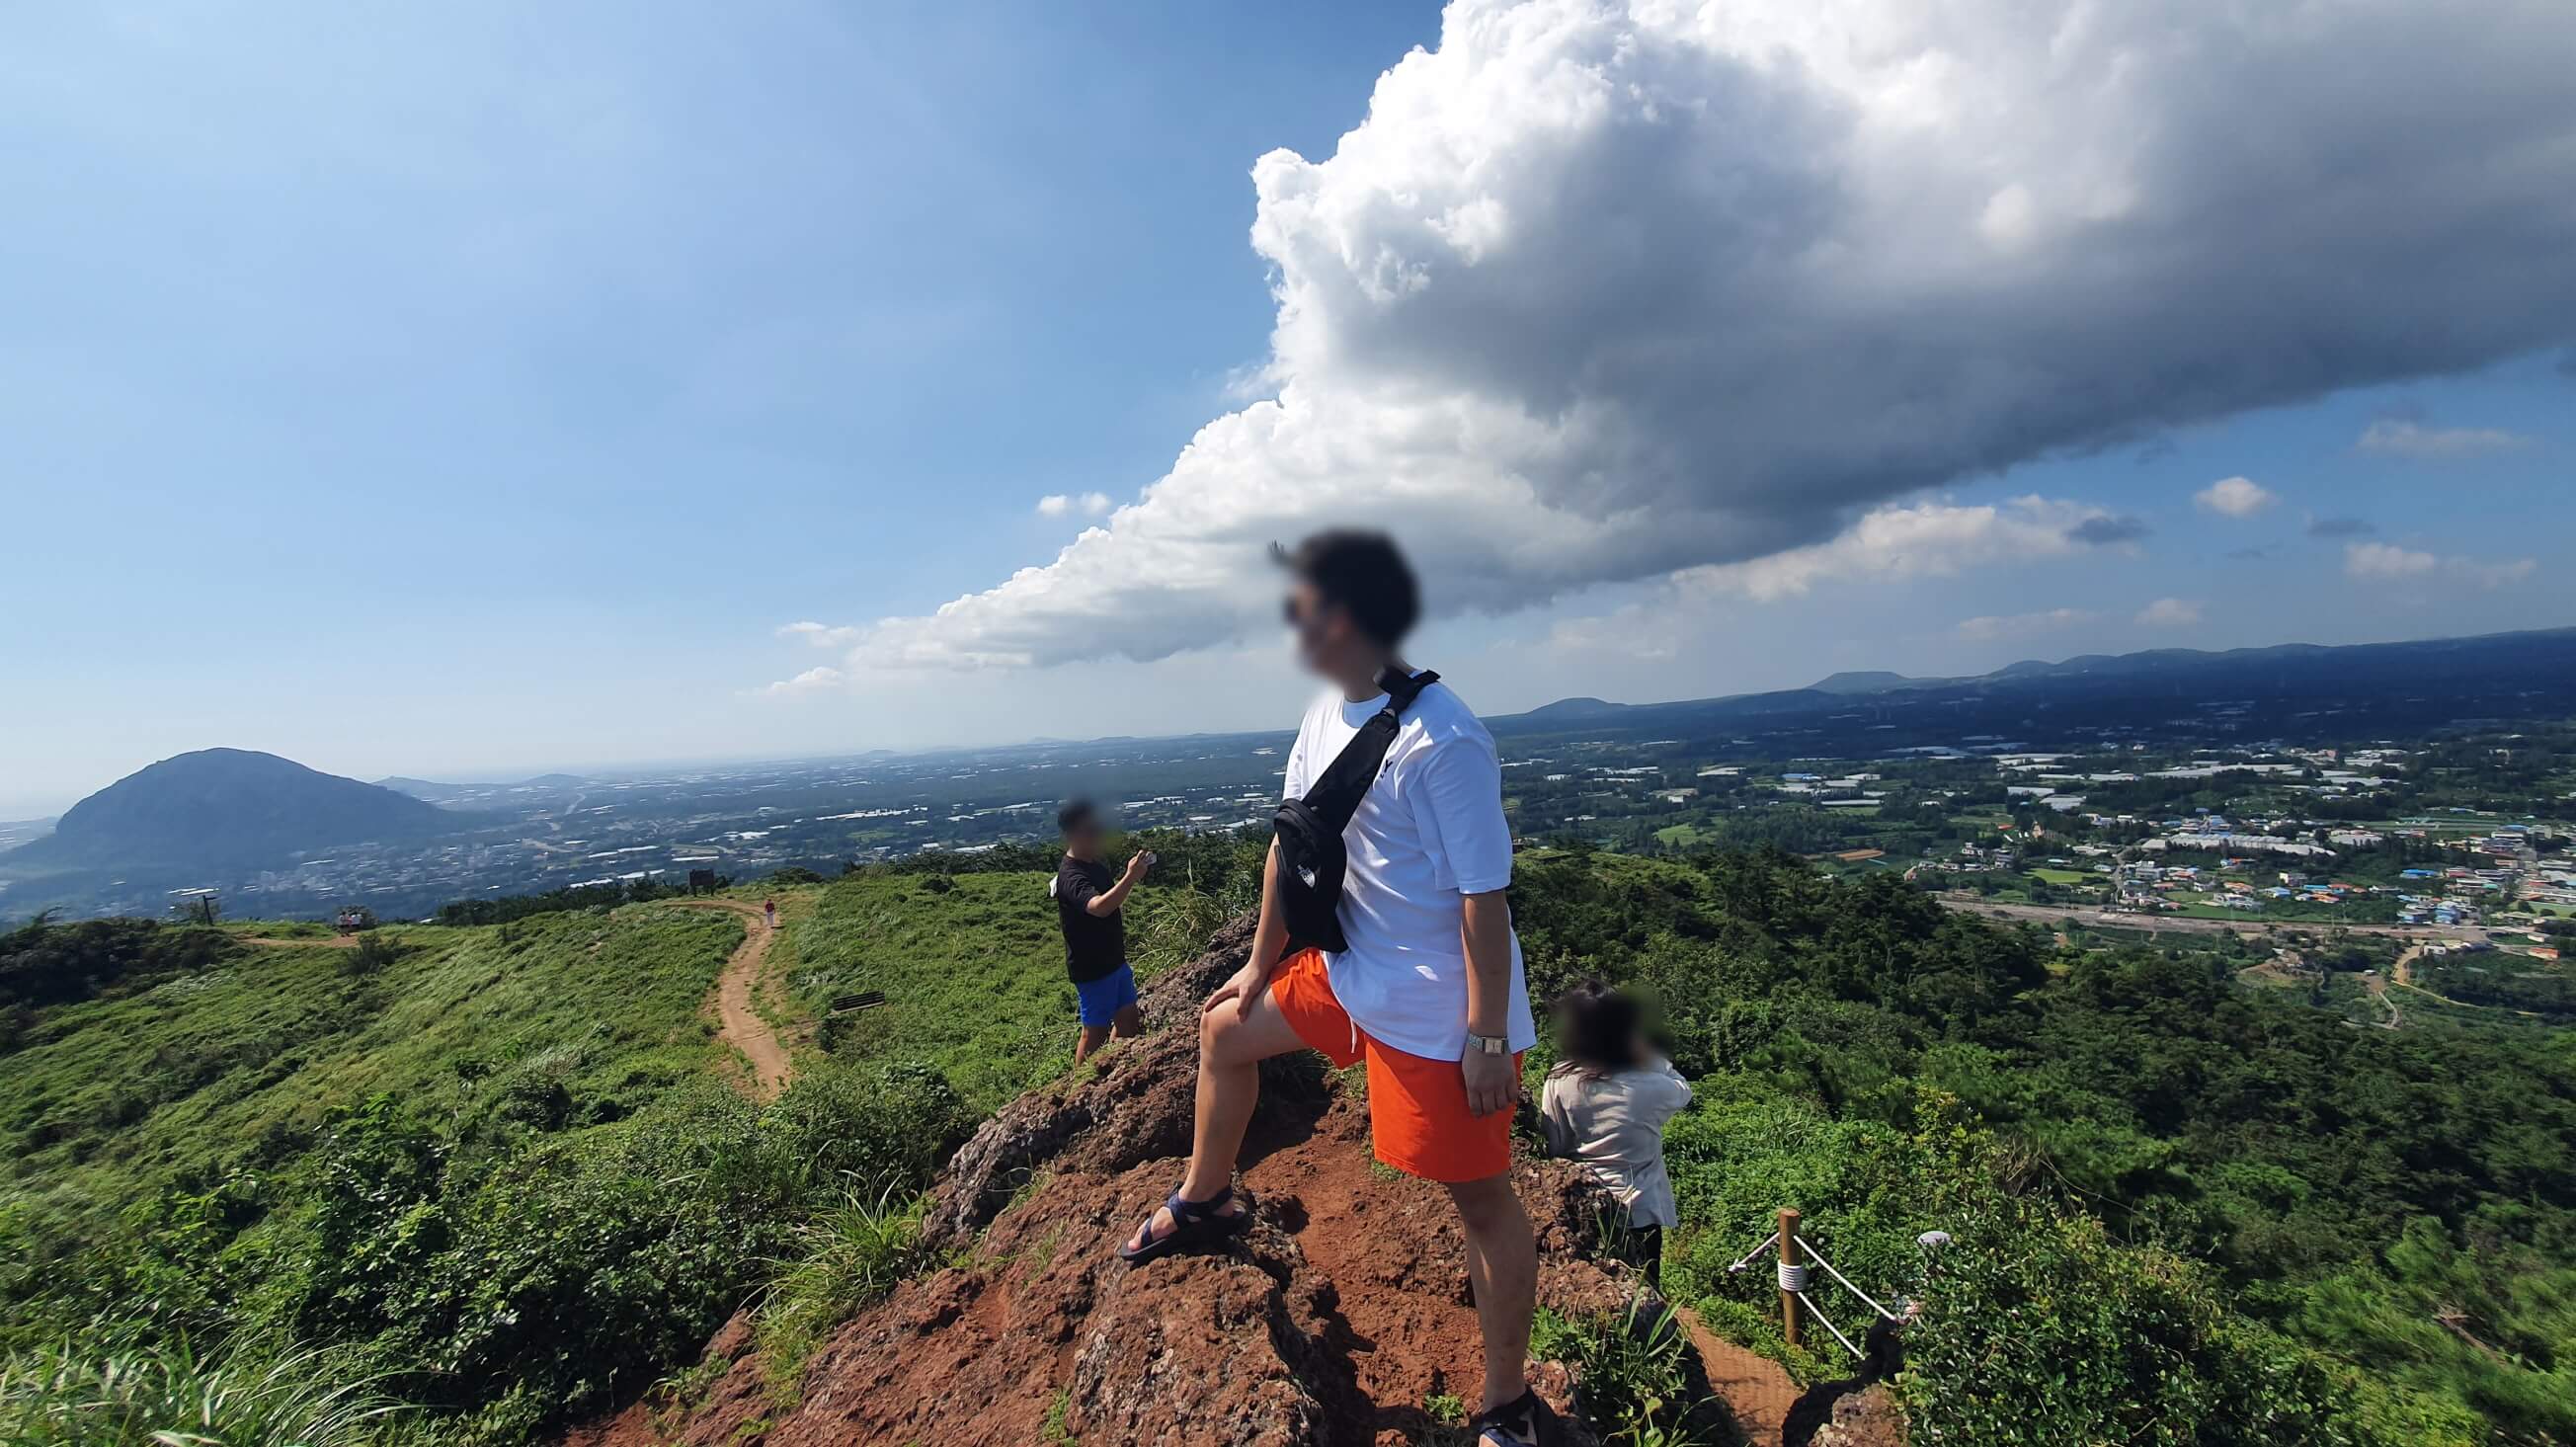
[(1505, 1420), (1184, 1210)]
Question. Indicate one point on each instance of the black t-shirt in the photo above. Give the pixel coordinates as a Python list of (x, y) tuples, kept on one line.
[(1094, 945)]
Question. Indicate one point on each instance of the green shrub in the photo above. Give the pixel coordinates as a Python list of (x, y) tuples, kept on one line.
[(45, 964), (526, 1288), (2037, 1329), (370, 955)]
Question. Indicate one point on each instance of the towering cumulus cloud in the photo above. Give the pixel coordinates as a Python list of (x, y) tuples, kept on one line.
[(1604, 291)]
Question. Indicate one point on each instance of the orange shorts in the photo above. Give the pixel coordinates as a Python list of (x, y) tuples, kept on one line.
[(1418, 1117)]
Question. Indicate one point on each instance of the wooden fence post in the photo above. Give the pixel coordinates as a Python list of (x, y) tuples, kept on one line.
[(1788, 1257)]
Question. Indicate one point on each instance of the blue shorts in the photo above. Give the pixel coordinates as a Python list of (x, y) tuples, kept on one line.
[(1103, 998)]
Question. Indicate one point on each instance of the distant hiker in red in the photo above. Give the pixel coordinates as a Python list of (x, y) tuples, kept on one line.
[(769, 913), (1384, 937)]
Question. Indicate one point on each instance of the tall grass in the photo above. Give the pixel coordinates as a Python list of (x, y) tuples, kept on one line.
[(1629, 1379), (1169, 924), (166, 1396), (850, 1254)]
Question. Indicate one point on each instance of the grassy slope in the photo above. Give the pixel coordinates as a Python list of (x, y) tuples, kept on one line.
[(973, 976), (236, 1067)]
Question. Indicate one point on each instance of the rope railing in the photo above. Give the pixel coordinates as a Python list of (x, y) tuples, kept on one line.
[(1818, 1257), (1819, 1314), (1792, 1277)]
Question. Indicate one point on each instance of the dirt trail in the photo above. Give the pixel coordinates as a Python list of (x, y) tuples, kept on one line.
[(738, 1018), (310, 942), (1756, 1389)]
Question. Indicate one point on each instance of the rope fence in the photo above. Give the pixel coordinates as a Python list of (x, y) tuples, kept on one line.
[(1792, 1276)]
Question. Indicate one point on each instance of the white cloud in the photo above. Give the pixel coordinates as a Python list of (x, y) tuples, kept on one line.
[(2236, 497), (2170, 613), (1990, 628), (812, 680), (1057, 504), (1895, 544), (2387, 562), (822, 635), (2496, 575), (2396, 437), (1600, 292)]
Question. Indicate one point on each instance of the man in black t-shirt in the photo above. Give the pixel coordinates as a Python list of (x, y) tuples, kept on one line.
[(1087, 902)]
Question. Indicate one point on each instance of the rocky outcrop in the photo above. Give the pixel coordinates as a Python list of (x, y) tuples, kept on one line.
[(1135, 1108), (1340, 1319), (1867, 1418)]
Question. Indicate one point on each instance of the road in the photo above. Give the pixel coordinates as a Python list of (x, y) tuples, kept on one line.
[(738, 1019), (2050, 914)]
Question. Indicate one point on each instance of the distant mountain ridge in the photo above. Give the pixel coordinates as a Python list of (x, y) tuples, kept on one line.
[(466, 794), (226, 807), (2180, 672)]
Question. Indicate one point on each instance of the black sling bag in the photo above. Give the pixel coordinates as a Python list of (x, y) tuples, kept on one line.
[(1312, 858)]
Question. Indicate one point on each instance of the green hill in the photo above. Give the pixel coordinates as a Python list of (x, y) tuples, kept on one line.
[(501, 1172), (224, 808), (234, 1066)]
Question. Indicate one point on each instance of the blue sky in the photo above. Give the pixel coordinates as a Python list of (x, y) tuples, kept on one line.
[(476, 389)]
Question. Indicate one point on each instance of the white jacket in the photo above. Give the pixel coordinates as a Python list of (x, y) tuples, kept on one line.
[(1614, 1125)]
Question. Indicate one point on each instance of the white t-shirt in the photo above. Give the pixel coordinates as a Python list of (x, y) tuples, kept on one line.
[(1429, 831)]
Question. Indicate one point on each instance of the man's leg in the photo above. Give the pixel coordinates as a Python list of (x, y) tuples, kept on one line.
[(1093, 1037), (1502, 1261), (1128, 1023), (1232, 1046)]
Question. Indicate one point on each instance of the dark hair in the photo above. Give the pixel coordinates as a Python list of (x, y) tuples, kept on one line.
[(1596, 1027), (1365, 573), (1077, 814)]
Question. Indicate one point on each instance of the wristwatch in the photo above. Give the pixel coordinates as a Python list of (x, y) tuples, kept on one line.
[(1489, 1044)]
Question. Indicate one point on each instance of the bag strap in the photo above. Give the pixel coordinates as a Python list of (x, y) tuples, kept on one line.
[(1336, 793), (1402, 688)]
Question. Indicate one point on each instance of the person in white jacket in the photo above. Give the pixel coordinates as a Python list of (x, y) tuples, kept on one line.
[(1605, 1105)]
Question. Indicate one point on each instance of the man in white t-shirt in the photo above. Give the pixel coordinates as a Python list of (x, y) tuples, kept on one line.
[(1429, 992)]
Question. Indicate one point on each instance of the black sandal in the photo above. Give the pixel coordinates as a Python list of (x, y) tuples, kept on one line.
[(1524, 1421), (1194, 1223)]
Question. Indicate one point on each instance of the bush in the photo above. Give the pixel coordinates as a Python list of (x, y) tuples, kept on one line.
[(44, 964), (370, 955), (524, 1289), (2038, 1330)]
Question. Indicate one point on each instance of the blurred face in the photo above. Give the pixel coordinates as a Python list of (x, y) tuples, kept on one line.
[(1319, 629), (1084, 838)]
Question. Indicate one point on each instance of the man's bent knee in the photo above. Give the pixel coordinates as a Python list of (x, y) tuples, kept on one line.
[(1230, 1035), (1225, 1036)]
